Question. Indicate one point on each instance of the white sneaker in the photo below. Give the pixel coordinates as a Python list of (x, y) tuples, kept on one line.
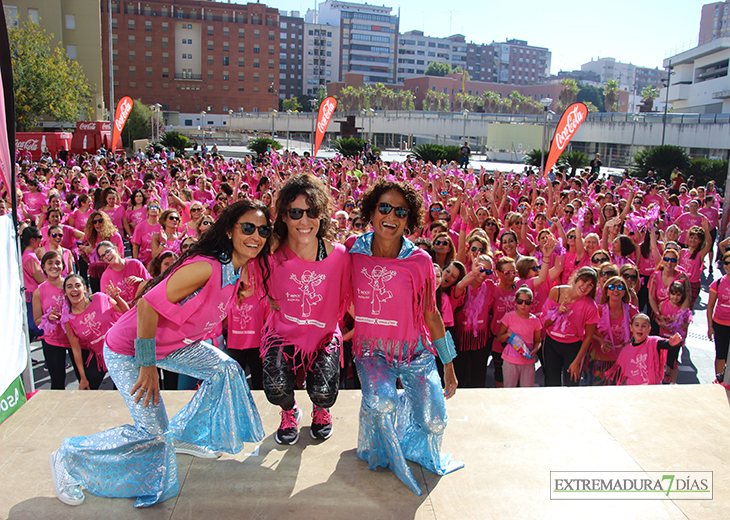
[(67, 488), (188, 448)]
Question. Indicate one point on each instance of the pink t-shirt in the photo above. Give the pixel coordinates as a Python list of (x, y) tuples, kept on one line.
[(691, 266), (52, 298), (117, 217), (246, 320), (142, 236), (639, 364), (30, 262), (661, 291), (570, 327), (34, 202), (713, 216), (91, 326), (685, 222), (721, 287), (127, 290), (135, 216), (525, 329), (80, 219)]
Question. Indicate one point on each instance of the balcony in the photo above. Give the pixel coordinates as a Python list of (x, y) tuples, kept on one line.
[(194, 77)]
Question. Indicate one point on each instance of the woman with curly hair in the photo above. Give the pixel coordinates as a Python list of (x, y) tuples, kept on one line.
[(99, 227), (310, 286), (398, 332)]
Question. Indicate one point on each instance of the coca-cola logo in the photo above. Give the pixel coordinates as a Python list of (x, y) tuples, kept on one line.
[(328, 108), (125, 107), (87, 126), (572, 122), (29, 145)]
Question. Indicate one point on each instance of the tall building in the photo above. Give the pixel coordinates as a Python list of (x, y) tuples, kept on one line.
[(517, 63), (291, 55), (193, 56), (368, 37), (321, 56), (632, 78), (416, 51), (714, 22), (76, 26), (481, 63)]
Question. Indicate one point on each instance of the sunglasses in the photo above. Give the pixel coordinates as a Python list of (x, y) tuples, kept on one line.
[(536, 268), (206, 223), (298, 213), (157, 207), (173, 217), (670, 260), (519, 223), (474, 249), (196, 209), (97, 221), (539, 203), (632, 277), (349, 205), (247, 228), (491, 224), (360, 225), (521, 208), (441, 243), (726, 263), (400, 211), (599, 260), (510, 272), (57, 235), (569, 212), (616, 287), (608, 273), (520, 301), (435, 210), (485, 270), (571, 237), (105, 254)]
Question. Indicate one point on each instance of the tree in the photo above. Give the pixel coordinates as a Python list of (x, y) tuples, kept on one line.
[(175, 141), (460, 70), (138, 124), (592, 94), (304, 102), (591, 107), (568, 93), (648, 95), (610, 91), (532, 158), (490, 102), (291, 104), (45, 81), (574, 159), (436, 68), (321, 94), (259, 145), (662, 159)]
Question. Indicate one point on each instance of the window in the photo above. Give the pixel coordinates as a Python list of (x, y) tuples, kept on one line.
[(115, 55), (226, 32), (240, 62), (210, 74), (132, 71), (225, 46), (33, 15), (256, 34), (240, 76), (210, 30), (271, 64), (130, 25), (114, 23), (165, 27), (210, 60), (131, 55), (226, 60), (115, 39), (165, 43), (148, 25), (255, 77), (148, 72), (70, 21), (165, 57), (225, 75), (71, 51), (241, 33), (148, 41), (256, 49), (241, 47), (133, 84), (271, 35), (271, 49), (256, 63), (210, 45), (130, 40), (165, 72), (148, 56)]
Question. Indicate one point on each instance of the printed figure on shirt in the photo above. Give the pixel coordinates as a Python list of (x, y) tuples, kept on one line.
[(378, 277), (308, 281)]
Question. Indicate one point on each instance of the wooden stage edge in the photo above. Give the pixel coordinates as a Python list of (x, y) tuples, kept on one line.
[(510, 440)]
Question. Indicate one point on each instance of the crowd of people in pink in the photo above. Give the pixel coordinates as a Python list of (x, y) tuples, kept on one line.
[(369, 275)]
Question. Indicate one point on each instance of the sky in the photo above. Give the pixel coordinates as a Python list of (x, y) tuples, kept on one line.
[(632, 31)]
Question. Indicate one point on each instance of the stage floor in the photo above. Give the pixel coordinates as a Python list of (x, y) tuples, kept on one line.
[(510, 440)]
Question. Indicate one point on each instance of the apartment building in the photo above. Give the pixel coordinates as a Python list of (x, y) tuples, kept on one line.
[(194, 56), (714, 22), (76, 26), (631, 78), (416, 51), (321, 56), (517, 63), (291, 54)]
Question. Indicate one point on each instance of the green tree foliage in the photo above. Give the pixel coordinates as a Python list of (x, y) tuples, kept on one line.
[(435, 152), (351, 147), (532, 158), (292, 104), (610, 91), (460, 70), (138, 124), (304, 102), (568, 93), (662, 159), (490, 102), (175, 141), (573, 159), (648, 95), (706, 170), (436, 68), (593, 94), (45, 81), (259, 145)]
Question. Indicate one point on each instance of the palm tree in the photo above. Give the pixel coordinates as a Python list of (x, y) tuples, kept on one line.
[(610, 91), (574, 159), (568, 93), (490, 102), (648, 95)]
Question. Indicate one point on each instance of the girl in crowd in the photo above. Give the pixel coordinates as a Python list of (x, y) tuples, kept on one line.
[(47, 304), (55, 239), (718, 315), (674, 317), (202, 225), (99, 227), (311, 287), (30, 240), (660, 281), (692, 259), (113, 208), (136, 213), (630, 275), (123, 275), (519, 366), (81, 214), (87, 319), (569, 317), (143, 233), (443, 249), (389, 271), (196, 212), (168, 237), (139, 461)]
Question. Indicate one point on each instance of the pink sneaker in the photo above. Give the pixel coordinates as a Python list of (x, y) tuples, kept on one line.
[(321, 424), (288, 432)]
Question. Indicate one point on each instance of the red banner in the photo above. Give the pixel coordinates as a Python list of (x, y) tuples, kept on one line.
[(124, 107), (572, 118), (326, 109)]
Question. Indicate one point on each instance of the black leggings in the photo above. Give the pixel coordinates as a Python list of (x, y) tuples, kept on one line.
[(471, 367), (323, 376), (722, 340), (558, 357), (56, 363), (250, 357)]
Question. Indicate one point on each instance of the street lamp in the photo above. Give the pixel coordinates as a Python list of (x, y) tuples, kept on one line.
[(667, 82), (203, 113), (313, 104), (273, 116), (466, 114), (230, 116), (288, 117), (545, 102)]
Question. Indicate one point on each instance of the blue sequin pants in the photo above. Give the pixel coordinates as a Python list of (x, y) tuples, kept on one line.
[(419, 411), (138, 461)]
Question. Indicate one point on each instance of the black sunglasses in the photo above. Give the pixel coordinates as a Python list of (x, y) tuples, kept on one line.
[(599, 260), (485, 270), (298, 213), (57, 235), (536, 268), (400, 211), (173, 217), (520, 301), (440, 243), (474, 249), (632, 277), (619, 287), (247, 228), (671, 260), (360, 225), (97, 221), (608, 273)]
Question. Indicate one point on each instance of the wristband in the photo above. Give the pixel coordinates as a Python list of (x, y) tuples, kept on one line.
[(145, 352), (445, 348)]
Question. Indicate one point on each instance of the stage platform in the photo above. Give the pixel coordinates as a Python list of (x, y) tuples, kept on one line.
[(510, 440)]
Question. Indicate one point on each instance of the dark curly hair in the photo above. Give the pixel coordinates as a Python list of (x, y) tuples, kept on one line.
[(317, 197), (369, 201), (216, 244)]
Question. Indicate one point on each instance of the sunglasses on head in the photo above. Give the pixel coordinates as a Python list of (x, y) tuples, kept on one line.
[(616, 287), (520, 301), (474, 249), (489, 272), (400, 211), (441, 243), (670, 260), (298, 213), (57, 235), (247, 228)]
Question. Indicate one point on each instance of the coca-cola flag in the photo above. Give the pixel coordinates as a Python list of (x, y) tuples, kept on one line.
[(326, 109), (124, 107), (572, 118)]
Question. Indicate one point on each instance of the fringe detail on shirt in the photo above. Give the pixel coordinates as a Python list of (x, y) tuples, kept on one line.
[(271, 339), (471, 340)]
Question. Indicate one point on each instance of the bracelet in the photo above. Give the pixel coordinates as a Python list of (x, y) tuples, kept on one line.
[(445, 348), (145, 352)]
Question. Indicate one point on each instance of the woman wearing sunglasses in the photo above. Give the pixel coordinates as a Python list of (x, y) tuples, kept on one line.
[(203, 224), (169, 236), (123, 276), (443, 249), (311, 287), (692, 258), (165, 330), (612, 331), (395, 313), (55, 239), (520, 332), (662, 278), (99, 227)]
